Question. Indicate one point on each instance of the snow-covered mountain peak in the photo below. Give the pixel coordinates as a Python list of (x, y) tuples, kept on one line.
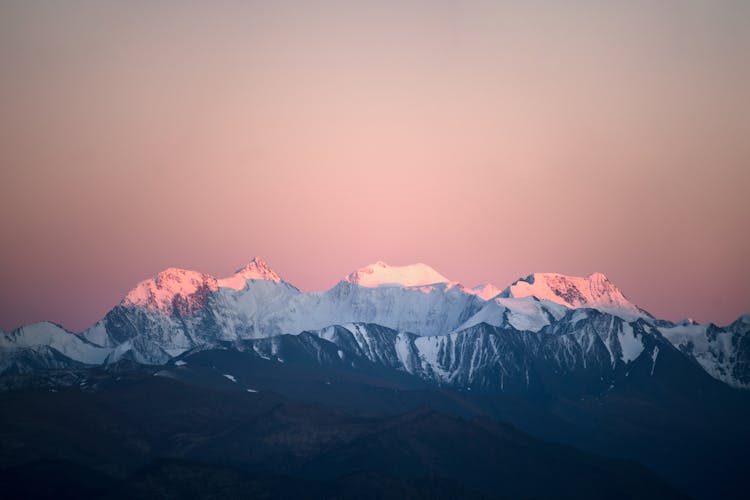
[(158, 293), (594, 290), (256, 269), (381, 274)]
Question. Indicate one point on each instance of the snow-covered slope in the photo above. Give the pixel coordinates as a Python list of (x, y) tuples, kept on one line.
[(525, 313), (381, 274), (594, 291), (425, 310), (724, 353), (50, 335), (588, 351)]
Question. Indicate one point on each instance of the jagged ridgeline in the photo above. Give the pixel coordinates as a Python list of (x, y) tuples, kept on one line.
[(439, 330)]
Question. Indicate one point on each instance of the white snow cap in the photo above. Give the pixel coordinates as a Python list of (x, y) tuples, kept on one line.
[(381, 274), (594, 291), (159, 292), (256, 269)]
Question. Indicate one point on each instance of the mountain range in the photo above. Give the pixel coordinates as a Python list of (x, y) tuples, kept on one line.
[(575, 321), (565, 359)]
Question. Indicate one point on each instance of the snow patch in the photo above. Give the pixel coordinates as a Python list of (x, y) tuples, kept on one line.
[(654, 355), (631, 346), (403, 351), (429, 350)]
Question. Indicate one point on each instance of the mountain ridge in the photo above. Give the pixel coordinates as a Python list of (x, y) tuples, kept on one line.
[(178, 310)]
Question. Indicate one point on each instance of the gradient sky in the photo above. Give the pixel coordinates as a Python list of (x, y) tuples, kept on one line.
[(487, 139)]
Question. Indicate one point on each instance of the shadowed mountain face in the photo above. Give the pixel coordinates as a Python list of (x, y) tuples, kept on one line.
[(234, 406), (680, 422), (171, 478), (260, 439), (397, 380)]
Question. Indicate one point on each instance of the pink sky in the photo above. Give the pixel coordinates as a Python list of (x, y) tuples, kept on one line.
[(487, 139)]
